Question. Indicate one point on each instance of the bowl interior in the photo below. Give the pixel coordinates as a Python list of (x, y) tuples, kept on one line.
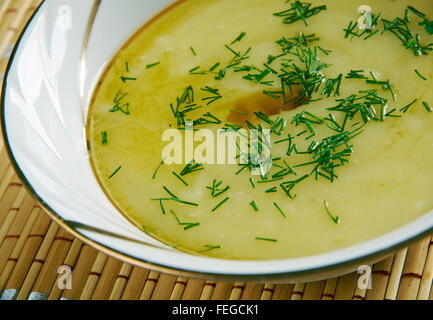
[(48, 87)]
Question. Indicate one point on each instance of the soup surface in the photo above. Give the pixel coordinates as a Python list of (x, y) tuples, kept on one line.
[(344, 112)]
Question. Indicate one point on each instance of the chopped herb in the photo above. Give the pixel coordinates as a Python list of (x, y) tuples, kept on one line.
[(216, 188), (186, 225), (419, 75), (336, 220), (239, 38), (157, 169), (180, 178), (149, 66), (406, 108), (426, 106), (252, 183), (115, 172), (193, 51), (254, 206), (125, 79), (220, 204), (209, 248)]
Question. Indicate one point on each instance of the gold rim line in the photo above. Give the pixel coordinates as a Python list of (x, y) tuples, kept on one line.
[(318, 273), (83, 64)]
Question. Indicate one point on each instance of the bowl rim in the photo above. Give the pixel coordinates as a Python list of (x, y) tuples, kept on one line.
[(310, 274)]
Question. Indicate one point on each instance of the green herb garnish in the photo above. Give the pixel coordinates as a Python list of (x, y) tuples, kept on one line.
[(336, 220), (115, 172)]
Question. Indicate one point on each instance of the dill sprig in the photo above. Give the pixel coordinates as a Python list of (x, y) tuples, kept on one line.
[(157, 169), (217, 189), (191, 168), (299, 11)]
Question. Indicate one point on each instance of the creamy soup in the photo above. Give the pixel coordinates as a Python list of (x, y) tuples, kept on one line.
[(341, 99)]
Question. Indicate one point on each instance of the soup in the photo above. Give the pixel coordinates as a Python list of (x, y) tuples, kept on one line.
[(332, 105)]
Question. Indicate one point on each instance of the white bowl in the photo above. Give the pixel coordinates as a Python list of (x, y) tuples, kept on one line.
[(49, 82)]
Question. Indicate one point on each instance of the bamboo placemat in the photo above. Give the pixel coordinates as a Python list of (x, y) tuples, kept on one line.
[(33, 249)]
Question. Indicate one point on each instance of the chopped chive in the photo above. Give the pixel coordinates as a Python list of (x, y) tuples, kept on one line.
[(252, 183), (253, 204), (162, 206), (149, 66), (170, 193), (157, 169), (336, 220), (115, 172), (220, 204), (419, 75), (266, 239), (209, 248), (426, 106), (127, 66), (125, 79), (405, 109), (279, 209), (180, 178), (104, 138), (239, 38), (193, 51)]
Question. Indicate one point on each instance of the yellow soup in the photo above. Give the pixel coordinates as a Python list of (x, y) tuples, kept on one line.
[(340, 98)]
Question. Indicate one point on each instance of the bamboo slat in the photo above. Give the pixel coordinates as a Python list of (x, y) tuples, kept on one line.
[(267, 292), (121, 281), (48, 274), (298, 291), (413, 270), (427, 277), (283, 292), (81, 273), (150, 285), (107, 280), (32, 248), (314, 290), (68, 264), (394, 279), (164, 287), (222, 291), (179, 288), (193, 289), (94, 276)]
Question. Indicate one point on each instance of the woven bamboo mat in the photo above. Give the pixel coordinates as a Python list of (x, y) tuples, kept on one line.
[(33, 249)]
